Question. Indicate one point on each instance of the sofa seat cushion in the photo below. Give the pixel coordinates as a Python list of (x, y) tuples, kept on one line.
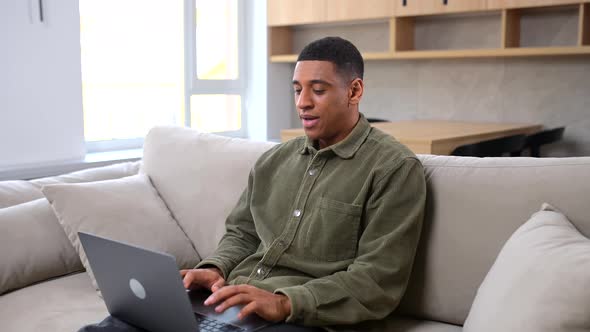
[(399, 324), (415, 325), (70, 302), (63, 304)]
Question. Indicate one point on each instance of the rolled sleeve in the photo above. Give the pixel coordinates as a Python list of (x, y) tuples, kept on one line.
[(302, 300)]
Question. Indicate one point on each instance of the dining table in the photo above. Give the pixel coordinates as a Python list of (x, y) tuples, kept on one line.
[(440, 137)]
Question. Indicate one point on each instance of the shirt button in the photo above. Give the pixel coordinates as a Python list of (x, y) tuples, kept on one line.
[(312, 172), (297, 213), (260, 271), (281, 244)]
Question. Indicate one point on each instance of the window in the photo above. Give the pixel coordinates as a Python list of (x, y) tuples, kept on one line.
[(215, 82), (147, 63)]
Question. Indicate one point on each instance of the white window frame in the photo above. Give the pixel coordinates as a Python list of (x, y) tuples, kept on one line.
[(114, 145), (196, 86)]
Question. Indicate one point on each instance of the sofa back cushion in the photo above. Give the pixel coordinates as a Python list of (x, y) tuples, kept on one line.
[(473, 207), (102, 173), (33, 246), (20, 191), (200, 177), (17, 192)]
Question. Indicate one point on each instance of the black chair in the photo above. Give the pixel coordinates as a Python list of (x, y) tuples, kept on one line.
[(534, 141), (373, 120), (492, 148)]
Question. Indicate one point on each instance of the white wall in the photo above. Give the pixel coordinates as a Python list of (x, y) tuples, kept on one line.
[(41, 117), (256, 120), (280, 102)]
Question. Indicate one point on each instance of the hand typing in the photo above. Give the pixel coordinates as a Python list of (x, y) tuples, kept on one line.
[(270, 306), (210, 278)]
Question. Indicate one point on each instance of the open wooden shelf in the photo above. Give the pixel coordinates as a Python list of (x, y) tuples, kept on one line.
[(402, 25), (459, 54), (584, 25)]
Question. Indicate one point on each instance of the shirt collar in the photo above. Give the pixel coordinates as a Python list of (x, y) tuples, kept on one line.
[(346, 148)]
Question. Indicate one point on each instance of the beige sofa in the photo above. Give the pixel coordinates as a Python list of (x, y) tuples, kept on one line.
[(474, 205)]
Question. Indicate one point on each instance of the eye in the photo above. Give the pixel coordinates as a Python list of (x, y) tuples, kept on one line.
[(318, 91), (297, 91)]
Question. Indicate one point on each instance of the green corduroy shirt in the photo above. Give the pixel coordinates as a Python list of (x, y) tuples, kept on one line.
[(335, 229)]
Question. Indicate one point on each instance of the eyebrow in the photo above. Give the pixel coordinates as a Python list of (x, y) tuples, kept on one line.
[(313, 82)]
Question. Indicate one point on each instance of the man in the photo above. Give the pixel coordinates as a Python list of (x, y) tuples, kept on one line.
[(327, 229)]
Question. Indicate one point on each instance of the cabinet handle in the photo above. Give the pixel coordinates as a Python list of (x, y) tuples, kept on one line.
[(404, 3), (41, 10)]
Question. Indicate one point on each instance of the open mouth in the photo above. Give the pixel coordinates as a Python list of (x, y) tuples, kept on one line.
[(309, 121)]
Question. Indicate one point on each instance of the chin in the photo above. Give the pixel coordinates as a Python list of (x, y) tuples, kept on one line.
[(311, 134)]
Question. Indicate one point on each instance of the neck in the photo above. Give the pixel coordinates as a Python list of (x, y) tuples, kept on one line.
[(341, 135)]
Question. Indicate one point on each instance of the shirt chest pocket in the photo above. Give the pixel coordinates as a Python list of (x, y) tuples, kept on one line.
[(333, 231)]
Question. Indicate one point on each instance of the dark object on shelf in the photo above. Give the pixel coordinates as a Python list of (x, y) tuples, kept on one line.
[(492, 148), (373, 120), (534, 141)]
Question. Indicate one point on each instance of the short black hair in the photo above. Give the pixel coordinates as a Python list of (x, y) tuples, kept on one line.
[(339, 51)]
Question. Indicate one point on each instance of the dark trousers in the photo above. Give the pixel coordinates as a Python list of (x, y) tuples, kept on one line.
[(112, 324)]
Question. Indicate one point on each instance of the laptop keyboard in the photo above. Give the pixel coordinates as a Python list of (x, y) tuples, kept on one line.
[(207, 324)]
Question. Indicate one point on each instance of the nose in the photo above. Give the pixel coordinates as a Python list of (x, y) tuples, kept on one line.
[(303, 100)]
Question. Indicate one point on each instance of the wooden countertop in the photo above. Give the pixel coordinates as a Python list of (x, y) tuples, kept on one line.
[(440, 136)]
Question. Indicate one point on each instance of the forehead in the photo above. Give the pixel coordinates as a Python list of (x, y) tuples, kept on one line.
[(306, 71)]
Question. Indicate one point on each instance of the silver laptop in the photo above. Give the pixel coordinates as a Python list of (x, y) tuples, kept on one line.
[(144, 288)]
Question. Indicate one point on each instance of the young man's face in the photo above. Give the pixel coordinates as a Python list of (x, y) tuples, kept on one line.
[(322, 99)]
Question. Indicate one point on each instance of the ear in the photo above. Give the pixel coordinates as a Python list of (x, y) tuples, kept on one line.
[(355, 91)]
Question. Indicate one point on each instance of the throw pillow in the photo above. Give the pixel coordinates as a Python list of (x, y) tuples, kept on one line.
[(33, 246), (539, 282), (127, 209)]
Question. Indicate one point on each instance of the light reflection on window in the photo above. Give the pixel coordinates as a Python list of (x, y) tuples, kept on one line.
[(215, 113), (217, 39), (132, 66)]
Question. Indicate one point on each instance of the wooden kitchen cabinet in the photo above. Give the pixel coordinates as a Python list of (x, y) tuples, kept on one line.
[(348, 10), (295, 12), (434, 7)]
